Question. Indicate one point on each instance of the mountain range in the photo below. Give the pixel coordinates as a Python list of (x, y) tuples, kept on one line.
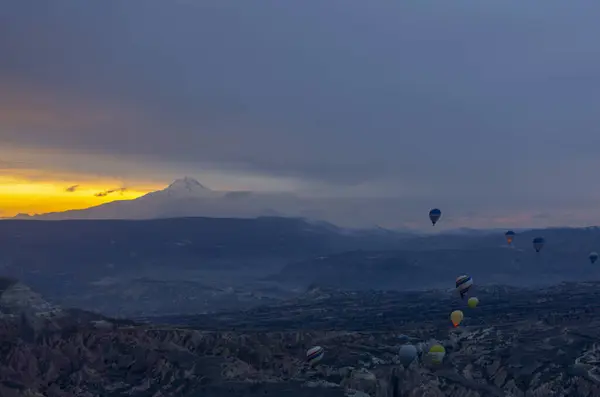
[(186, 197)]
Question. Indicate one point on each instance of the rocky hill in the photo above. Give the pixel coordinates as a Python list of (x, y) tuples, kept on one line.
[(517, 343)]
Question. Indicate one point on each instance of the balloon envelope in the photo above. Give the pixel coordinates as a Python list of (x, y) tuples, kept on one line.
[(407, 354), (593, 257), (473, 302), (510, 235), (463, 284), (403, 338), (538, 243), (456, 317), (437, 353), (434, 215), (315, 354)]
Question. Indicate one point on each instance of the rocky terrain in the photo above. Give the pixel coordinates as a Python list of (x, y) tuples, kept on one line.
[(516, 343)]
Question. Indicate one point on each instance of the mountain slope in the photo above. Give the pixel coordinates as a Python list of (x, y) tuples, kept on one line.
[(182, 194), (187, 197)]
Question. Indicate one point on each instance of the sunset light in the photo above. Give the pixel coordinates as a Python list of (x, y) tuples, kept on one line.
[(22, 195)]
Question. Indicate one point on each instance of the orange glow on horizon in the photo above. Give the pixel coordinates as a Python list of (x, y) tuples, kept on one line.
[(20, 194)]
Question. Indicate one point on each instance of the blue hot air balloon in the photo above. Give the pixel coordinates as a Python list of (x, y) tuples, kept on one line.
[(593, 257), (510, 235), (407, 355), (435, 215), (538, 243)]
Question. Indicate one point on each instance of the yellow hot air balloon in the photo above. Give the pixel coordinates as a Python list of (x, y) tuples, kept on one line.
[(456, 317), (473, 302), (437, 353)]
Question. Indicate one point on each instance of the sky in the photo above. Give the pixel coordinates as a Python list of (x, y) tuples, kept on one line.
[(488, 110)]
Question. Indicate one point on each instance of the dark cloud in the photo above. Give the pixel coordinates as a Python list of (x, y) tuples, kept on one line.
[(460, 101), (107, 192), (71, 189)]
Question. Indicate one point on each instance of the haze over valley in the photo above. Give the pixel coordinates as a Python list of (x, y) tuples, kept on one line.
[(192, 265)]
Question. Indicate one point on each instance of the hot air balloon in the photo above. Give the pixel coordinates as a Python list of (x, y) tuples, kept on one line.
[(463, 284), (435, 215), (407, 355), (473, 302), (538, 243), (456, 317), (510, 235), (315, 354), (437, 353), (403, 338), (593, 257)]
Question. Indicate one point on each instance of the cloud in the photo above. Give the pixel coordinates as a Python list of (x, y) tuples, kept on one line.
[(72, 188), (111, 191), (453, 104)]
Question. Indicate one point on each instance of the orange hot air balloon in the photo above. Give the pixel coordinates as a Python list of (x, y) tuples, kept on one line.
[(456, 317)]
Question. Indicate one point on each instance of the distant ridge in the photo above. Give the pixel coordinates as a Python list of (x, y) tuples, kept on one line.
[(184, 197), (187, 197)]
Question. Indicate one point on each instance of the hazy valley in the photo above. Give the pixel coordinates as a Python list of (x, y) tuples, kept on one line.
[(191, 265)]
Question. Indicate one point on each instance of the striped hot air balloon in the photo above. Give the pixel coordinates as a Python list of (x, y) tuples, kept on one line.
[(315, 354), (463, 284)]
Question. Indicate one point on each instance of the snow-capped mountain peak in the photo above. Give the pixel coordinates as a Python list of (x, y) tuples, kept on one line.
[(185, 188), (186, 184)]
